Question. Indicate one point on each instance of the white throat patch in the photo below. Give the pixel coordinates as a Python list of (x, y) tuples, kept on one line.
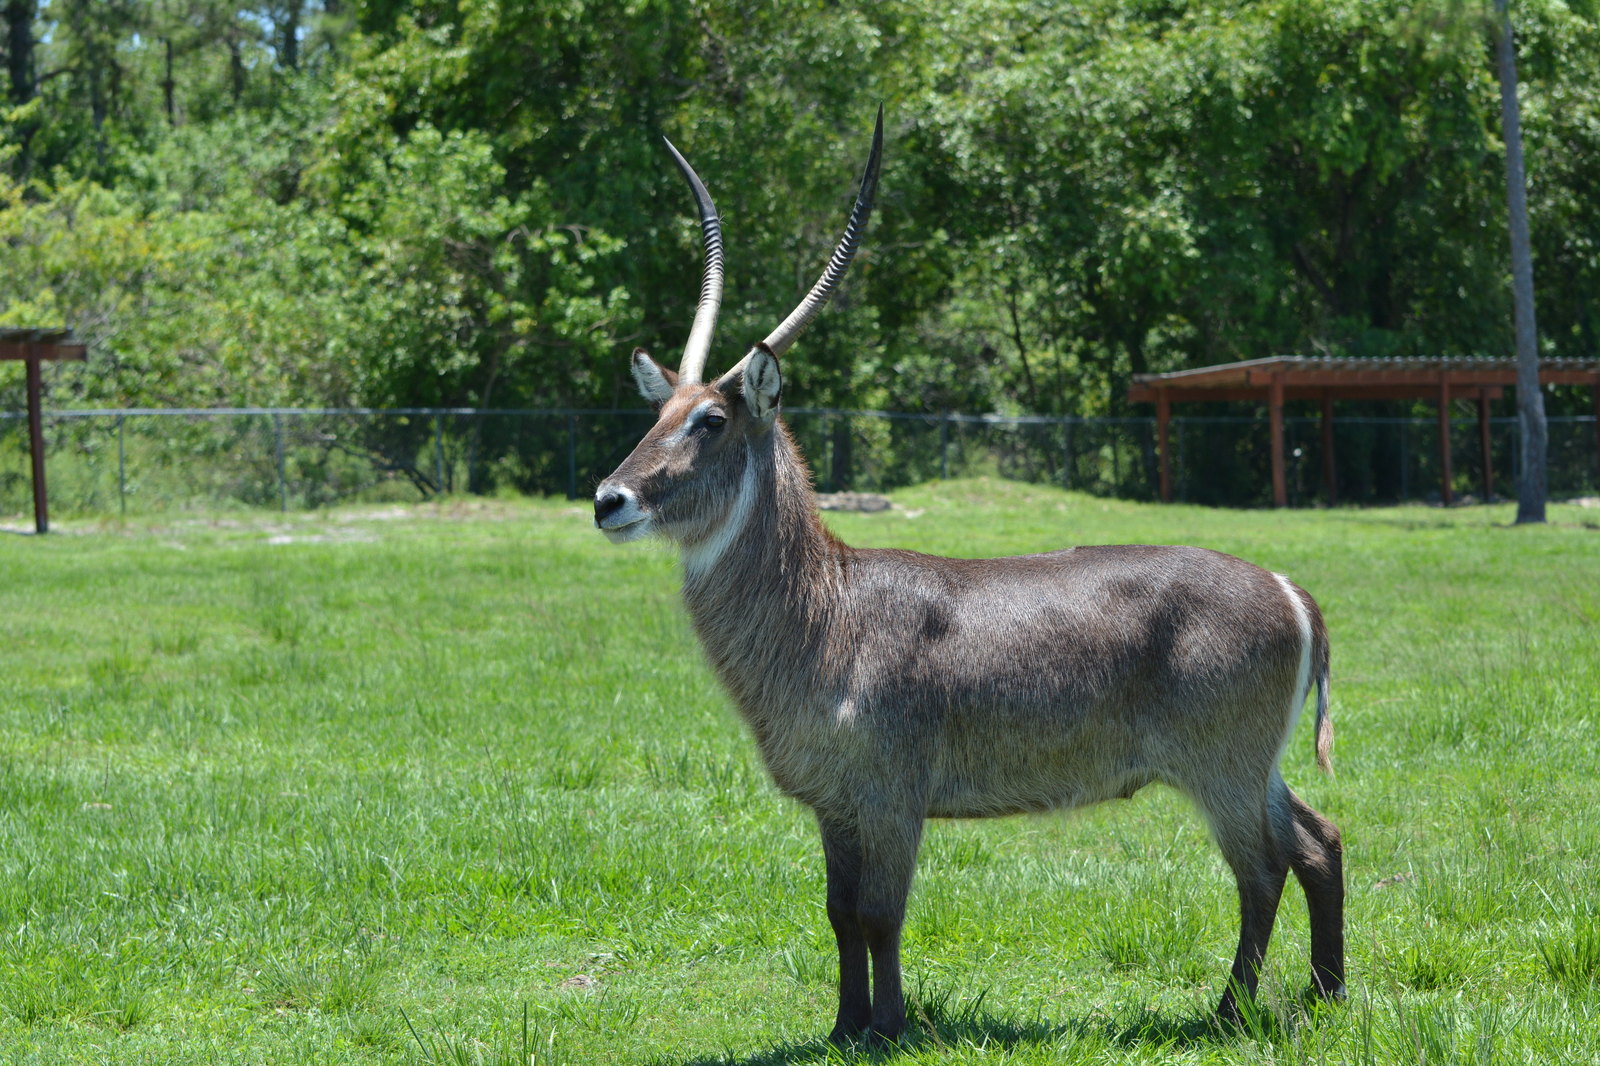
[(698, 559)]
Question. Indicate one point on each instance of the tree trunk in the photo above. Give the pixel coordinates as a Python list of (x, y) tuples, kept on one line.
[(19, 17), (291, 36), (236, 69), (97, 109), (1022, 346), (167, 87), (332, 10), (1531, 486)]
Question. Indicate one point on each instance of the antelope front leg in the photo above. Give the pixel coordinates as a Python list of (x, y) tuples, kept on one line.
[(841, 847), (889, 858)]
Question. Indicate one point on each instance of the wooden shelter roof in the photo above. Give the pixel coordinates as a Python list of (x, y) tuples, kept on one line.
[(1279, 379), (51, 344), (1309, 377)]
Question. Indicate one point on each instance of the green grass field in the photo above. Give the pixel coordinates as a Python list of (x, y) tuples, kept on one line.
[(453, 785)]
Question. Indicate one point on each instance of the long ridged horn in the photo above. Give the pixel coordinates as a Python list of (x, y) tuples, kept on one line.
[(705, 316), (780, 339)]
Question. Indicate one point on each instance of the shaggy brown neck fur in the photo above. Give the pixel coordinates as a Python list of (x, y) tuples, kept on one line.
[(761, 611)]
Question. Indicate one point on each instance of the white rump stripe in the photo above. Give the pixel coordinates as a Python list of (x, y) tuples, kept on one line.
[(1302, 685)]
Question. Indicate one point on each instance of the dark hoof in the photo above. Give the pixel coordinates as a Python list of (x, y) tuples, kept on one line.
[(1228, 1013), (1316, 994), (1236, 1013), (844, 1035)]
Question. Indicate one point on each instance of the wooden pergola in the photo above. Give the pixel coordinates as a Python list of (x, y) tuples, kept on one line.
[(33, 346), (1280, 379)]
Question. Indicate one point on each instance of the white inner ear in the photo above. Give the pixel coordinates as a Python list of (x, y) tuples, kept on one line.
[(762, 383), (653, 386)]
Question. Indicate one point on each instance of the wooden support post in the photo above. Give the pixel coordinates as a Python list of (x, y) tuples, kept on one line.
[(1484, 445), (41, 510), (1445, 495), (1329, 471), (1280, 488), (1163, 415), (31, 347)]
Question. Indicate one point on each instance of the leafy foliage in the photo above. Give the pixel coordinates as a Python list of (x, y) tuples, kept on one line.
[(406, 202)]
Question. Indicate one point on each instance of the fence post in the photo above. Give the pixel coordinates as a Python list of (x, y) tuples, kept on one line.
[(944, 446), (1116, 466), (824, 472), (843, 454), (438, 454), (277, 451), (572, 457), (1066, 453), (122, 469)]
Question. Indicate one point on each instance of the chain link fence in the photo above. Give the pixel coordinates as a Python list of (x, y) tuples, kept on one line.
[(111, 462)]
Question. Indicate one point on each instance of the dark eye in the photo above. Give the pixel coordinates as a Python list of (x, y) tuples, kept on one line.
[(715, 421)]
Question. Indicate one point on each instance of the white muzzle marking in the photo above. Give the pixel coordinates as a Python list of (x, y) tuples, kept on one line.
[(628, 522)]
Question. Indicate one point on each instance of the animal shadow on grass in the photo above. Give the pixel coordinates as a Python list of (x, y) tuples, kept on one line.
[(938, 1022)]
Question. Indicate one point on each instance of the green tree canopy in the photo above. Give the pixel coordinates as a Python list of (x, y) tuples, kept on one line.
[(399, 202)]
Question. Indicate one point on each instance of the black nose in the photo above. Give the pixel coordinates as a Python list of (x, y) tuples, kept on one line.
[(607, 504)]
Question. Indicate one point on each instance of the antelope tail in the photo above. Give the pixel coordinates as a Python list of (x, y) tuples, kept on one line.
[(1324, 722)]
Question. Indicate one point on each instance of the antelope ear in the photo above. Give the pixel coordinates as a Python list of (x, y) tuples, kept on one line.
[(760, 382), (655, 381)]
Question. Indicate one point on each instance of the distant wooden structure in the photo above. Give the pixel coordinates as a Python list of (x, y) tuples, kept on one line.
[(1277, 380), (34, 346)]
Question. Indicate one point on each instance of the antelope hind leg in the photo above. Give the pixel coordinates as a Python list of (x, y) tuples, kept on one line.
[(1317, 857)]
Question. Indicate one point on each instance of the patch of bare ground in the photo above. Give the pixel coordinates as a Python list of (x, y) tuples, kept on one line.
[(863, 502)]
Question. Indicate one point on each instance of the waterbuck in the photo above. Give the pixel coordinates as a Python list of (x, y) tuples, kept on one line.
[(887, 687)]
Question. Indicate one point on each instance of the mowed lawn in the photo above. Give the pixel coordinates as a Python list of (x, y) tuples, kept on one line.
[(452, 784)]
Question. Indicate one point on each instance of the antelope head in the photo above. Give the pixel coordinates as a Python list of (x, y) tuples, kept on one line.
[(694, 476)]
